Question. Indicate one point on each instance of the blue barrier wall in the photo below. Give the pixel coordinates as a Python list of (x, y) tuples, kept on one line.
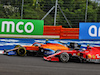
[(89, 31), (9, 43)]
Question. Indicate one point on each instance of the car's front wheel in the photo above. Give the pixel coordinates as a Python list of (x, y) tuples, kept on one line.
[(21, 51), (64, 57)]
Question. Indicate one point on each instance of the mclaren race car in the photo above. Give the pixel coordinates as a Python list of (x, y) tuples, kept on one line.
[(91, 54), (48, 48)]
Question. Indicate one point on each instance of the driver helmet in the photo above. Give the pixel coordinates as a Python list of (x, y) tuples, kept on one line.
[(46, 41), (88, 45)]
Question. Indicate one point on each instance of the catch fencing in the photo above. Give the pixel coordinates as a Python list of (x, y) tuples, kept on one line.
[(68, 14)]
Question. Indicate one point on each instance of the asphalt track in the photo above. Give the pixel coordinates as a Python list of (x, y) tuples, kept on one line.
[(16, 65)]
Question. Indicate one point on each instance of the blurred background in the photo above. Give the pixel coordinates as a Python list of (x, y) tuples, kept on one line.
[(74, 11)]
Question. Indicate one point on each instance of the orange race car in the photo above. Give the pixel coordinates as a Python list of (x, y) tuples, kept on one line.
[(48, 48)]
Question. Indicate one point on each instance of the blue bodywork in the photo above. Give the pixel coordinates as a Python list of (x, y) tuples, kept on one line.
[(48, 51), (53, 42), (12, 53)]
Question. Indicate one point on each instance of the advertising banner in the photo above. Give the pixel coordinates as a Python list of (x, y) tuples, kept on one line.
[(89, 31), (21, 26)]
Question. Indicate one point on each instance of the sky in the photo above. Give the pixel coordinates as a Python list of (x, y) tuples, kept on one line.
[(96, 0)]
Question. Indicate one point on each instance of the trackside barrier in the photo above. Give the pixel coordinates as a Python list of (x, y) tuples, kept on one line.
[(1, 51), (64, 33), (52, 30), (69, 33)]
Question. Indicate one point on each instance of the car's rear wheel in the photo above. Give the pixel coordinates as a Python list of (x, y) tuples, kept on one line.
[(82, 60), (7, 53), (21, 51), (64, 57), (40, 52)]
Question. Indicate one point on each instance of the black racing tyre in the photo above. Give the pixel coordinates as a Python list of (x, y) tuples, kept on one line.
[(40, 52), (82, 60), (17, 46), (7, 53), (57, 51), (21, 51), (64, 57)]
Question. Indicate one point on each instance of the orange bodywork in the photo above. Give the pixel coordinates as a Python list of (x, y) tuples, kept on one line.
[(55, 46), (48, 46), (35, 48)]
